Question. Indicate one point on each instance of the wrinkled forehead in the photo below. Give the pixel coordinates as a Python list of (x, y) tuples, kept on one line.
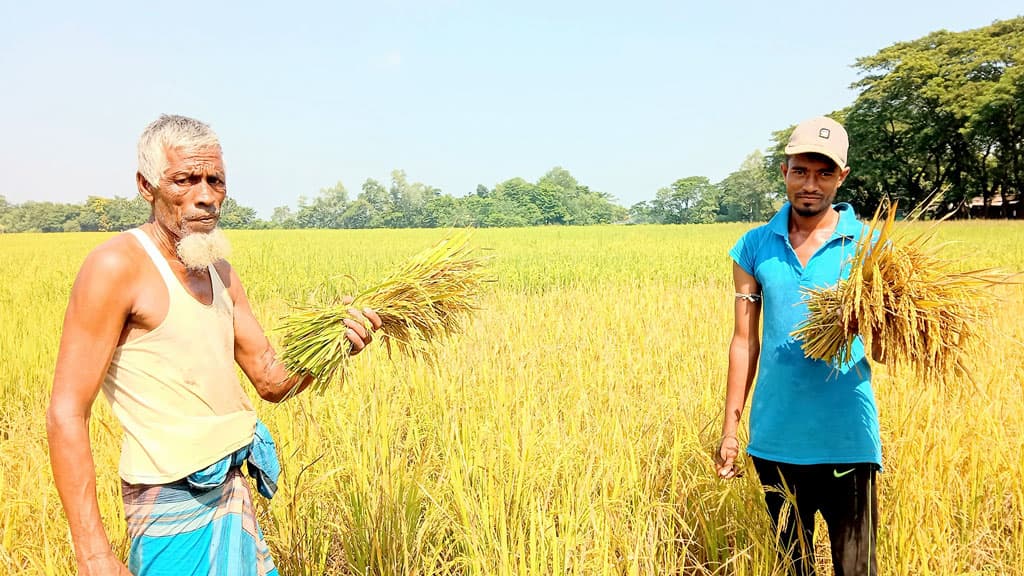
[(191, 160)]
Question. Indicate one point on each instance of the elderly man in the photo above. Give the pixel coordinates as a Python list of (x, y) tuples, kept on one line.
[(813, 425), (157, 319)]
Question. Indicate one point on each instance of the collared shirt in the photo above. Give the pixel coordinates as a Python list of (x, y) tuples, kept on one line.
[(806, 411)]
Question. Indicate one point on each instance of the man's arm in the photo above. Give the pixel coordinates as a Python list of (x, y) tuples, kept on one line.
[(257, 357), (96, 314), (744, 352)]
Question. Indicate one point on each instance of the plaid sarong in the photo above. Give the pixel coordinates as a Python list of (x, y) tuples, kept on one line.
[(182, 531)]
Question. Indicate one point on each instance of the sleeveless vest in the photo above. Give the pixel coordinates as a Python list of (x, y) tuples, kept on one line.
[(175, 389)]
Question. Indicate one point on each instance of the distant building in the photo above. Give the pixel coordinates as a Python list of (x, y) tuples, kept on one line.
[(996, 208)]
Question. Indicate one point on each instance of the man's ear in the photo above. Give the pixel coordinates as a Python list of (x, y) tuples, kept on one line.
[(842, 176), (145, 188)]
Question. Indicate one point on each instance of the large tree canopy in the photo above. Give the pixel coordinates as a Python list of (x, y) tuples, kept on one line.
[(940, 118)]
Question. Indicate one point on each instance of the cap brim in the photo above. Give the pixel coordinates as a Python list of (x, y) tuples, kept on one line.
[(812, 149)]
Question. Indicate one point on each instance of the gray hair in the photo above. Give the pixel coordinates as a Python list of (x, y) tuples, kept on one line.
[(168, 132)]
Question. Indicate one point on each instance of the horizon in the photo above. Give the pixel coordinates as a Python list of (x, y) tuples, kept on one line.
[(454, 93)]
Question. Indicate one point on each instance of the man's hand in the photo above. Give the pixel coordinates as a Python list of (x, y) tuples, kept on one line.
[(360, 326), (725, 457), (877, 349), (104, 565)]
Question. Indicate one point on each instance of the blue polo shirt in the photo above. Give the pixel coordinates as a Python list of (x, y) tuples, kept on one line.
[(806, 411)]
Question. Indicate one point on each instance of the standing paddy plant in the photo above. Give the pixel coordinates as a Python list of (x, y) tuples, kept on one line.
[(426, 299), (905, 301), (564, 435)]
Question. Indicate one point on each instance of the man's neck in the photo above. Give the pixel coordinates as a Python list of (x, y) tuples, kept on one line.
[(165, 242), (827, 220)]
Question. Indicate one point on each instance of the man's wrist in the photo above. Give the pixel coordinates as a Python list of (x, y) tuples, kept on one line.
[(95, 545)]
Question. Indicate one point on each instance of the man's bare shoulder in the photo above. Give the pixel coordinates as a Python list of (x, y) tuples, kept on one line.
[(113, 261), (108, 281)]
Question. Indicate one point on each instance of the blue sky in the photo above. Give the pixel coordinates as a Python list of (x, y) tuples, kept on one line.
[(629, 96)]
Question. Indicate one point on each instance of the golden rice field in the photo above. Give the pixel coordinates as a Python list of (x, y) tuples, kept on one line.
[(567, 432)]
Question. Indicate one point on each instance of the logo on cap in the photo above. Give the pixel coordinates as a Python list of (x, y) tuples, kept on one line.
[(824, 133)]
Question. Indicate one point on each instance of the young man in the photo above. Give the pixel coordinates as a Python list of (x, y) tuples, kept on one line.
[(158, 319), (813, 425)]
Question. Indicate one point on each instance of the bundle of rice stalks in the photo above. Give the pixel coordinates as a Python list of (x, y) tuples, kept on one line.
[(903, 300), (423, 301)]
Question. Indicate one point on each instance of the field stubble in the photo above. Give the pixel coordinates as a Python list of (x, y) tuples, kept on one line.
[(568, 431)]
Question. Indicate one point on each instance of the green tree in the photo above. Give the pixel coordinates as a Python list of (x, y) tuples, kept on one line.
[(560, 179), (588, 206), (753, 193), (376, 196), (95, 214), (408, 201), (5, 210), (326, 210), (514, 205), (675, 204), (234, 215), (557, 194), (708, 207), (283, 217), (359, 214), (477, 209), (41, 217), (940, 117), (125, 213), (505, 213), (403, 205), (643, 213), (445, 212)]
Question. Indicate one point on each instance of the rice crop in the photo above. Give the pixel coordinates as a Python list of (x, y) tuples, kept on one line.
[(908, 301), (567, 430), (425, 300)]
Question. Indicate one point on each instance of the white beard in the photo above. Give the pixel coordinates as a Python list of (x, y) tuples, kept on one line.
[(200, 250)]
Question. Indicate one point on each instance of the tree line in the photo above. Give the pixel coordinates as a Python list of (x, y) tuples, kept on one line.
[(938, 122), (557, 198)]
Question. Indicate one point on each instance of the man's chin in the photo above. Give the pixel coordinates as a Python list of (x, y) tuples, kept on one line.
[(808, 211), (198, 248)]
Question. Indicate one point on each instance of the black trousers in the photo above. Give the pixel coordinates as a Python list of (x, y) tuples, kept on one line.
[(846, 496)]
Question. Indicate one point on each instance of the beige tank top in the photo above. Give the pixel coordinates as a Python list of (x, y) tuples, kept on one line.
[(175, 389)]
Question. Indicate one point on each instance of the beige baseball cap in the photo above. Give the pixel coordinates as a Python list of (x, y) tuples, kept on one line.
[(820, 135)]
